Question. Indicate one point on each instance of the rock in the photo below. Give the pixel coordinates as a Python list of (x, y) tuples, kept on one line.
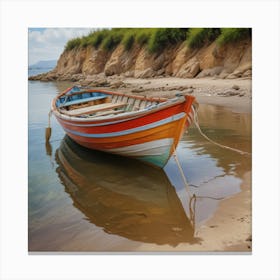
[(236, 87), (161, 72), (117, 84), (148, 73), (181, 88), (77, 77), (228, 93), (101, 82), (232, 76), (190, 69), (224, 74), (247, 74), (112, 69), (249, 238), (211, 72), (173, 88), (195, 68), (137, 90), (231, 93), (190, 90), (85, 83), (235, 74), (128, 74)]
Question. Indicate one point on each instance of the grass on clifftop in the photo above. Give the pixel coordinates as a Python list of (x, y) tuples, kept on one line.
[(232, 35), (156, 39), (198, 37)]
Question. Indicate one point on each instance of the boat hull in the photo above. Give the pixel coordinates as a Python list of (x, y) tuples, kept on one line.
[(150, 136)]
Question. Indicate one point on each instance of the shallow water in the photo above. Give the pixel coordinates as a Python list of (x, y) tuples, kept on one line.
[(81, 200)]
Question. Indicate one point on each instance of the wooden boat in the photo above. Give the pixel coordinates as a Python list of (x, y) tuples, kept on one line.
[(145, 128), (113, 194)]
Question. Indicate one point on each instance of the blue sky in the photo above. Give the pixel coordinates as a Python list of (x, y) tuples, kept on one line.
[(48, 43)]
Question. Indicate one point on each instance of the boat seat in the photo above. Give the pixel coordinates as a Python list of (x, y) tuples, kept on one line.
[(82, 100), (110, 112), (94, 109)]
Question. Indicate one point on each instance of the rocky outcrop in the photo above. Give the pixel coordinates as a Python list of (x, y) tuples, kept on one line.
[(229, 61)]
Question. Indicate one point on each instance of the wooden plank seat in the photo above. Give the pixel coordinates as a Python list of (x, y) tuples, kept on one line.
[(94, 109), (109, 112), (82, 100)]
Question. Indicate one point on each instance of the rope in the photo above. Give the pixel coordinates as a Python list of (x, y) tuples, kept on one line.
[(195, 120), (49, 119), (181, 172), (192, 196)]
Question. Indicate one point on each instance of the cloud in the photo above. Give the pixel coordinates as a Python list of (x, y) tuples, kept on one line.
[(48, 43)]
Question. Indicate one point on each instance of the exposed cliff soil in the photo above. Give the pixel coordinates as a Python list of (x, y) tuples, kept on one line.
[(89, 65)]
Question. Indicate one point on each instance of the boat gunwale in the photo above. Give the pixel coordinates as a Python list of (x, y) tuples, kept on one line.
[(123, 116)]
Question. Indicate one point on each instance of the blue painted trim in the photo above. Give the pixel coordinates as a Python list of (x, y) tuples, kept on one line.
[(128, 131), (82, 100)]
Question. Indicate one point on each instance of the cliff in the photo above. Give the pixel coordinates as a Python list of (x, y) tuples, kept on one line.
[(84, 64)]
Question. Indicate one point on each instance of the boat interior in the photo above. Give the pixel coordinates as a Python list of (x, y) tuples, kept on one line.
[(88, 103)]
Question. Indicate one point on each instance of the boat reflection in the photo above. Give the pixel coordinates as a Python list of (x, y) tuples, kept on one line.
[(123, 196)]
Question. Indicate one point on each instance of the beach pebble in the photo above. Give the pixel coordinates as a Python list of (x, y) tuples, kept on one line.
[(236, 87), (249, 238), (190, 90), (231, 93), (137, 90)]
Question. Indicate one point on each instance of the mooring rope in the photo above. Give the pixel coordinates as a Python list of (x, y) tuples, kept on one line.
[(196, 122)]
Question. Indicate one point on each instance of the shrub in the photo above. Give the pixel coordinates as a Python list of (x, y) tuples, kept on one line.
[(112, 39), (72, 44), (197, 37), (231, 35), (84, 41), (161, 37), (128, 40), (143, 35), (96, 38)]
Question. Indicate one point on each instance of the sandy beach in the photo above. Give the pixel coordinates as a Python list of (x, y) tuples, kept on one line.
[(235, 94)]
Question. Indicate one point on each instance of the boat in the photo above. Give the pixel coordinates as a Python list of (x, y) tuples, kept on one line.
[(145, 128), (113, 194)]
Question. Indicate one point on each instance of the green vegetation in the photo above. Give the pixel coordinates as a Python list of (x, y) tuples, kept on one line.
[(162, 37), (95, 38), (198, 37), (231, 35), (143, 35), (128, 40), (73, 43), (156, 39)]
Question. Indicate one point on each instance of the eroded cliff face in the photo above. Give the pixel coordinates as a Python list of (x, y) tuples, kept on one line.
[(229, 61)]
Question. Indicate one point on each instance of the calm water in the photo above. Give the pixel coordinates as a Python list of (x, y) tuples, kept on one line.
[(81, 200)]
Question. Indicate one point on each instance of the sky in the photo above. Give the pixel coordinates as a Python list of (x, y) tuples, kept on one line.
[(48, 43)]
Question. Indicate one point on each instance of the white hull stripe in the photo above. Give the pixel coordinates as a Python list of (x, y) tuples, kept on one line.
[(155, 148), (128, 131)]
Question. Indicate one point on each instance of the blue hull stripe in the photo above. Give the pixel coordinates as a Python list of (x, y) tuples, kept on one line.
[(128, 131)]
